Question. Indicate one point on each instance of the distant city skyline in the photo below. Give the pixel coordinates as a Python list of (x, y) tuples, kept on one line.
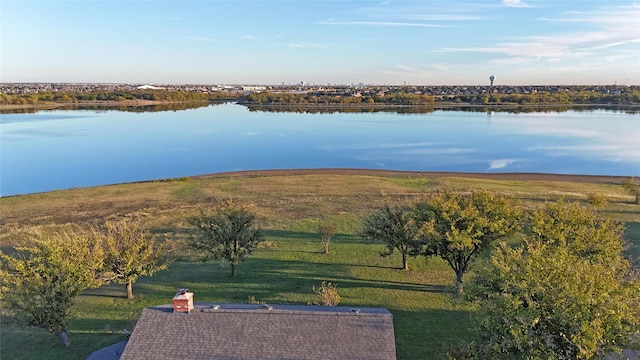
[(429, 42)]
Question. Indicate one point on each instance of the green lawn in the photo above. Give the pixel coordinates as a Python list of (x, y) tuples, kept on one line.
[(428, 318)]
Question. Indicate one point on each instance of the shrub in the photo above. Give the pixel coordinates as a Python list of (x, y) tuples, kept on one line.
[(326, 294), (597, 199), (326, 231)]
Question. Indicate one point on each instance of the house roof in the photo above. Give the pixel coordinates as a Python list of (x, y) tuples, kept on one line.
[(250, 331)]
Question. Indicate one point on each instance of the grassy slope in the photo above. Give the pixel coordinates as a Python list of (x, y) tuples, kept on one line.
[(428, 319)]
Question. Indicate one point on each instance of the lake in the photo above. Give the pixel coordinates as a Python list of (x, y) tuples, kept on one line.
[(61, 149)]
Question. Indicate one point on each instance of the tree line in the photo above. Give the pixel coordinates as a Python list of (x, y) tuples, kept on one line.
[(113, 96), (321, 98), (124, 107), (546, 98), (328, 98)]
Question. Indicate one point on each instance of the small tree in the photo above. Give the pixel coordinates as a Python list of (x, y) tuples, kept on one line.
[(41, 281), (632, 186), (597, 199), (566, 293), (229, 235), (131, 252), (326, 231), (326, 294), (458, 227), (396, 227)]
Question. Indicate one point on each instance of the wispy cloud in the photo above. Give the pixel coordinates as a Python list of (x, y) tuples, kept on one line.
[(407, 14), (380, 23), (200, 38), (409, 69), (442, 17), (616, 31), (420, 11), (307, 45), (515, 3), (557, 46), (610, 16)]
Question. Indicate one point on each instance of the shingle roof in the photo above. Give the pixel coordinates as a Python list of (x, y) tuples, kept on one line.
[(247, 331), (111, 352)]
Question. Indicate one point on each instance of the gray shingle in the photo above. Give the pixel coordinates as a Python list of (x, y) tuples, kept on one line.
[(246, 331)]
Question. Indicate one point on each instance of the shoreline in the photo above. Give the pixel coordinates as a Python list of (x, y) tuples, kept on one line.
[(514, 176), (506, 176), (55, 105), (436, 105)]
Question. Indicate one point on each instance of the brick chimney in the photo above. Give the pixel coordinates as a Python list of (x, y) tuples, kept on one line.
[(183, 301)]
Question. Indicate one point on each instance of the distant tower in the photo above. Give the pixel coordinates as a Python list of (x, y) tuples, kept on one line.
[(491, 78)]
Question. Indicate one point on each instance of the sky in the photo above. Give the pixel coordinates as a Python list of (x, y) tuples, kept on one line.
[(273, 42)]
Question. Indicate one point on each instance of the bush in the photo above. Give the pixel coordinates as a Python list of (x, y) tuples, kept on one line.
[(597, 199), (326, 231), (326, 294)]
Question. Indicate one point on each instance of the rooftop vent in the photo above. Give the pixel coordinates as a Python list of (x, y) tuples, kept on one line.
[(183, 301), (210, 308)]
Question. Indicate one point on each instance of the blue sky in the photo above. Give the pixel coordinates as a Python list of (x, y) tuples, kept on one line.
[(428, 42)]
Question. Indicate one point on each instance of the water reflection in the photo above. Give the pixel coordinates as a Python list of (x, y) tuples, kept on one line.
[(341, 109), (399, 109), (96, 145)]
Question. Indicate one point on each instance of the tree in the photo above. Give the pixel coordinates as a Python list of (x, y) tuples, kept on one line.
[(458, 227), (229, 235), (632, 186), (326, 231), (131, 252), (396, 227), (566, 293), (41, 281)]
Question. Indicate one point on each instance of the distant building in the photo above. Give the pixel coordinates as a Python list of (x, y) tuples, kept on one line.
[(254, 88), (149, 87)]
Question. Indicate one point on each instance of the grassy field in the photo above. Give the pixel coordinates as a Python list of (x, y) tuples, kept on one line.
[(428, 318)]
